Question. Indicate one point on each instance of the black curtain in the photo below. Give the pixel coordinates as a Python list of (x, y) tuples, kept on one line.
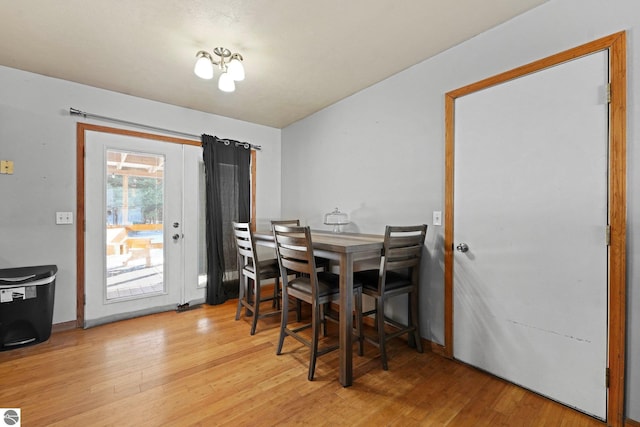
[(228, 176)]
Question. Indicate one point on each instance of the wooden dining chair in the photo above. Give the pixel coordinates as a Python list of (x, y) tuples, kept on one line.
[(322, 264), (398, 274), (251, 270), (294, 249)]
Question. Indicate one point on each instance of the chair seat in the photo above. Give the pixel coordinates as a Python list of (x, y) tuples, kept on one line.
[(328, 284), (369, 279), (269, 268)]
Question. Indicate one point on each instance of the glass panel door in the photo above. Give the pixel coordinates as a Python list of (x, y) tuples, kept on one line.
[(142, 208)]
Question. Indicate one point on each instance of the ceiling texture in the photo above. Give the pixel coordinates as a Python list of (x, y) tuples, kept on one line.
[(299, 55)]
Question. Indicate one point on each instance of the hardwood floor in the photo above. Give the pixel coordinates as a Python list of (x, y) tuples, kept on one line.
[(201, 367)]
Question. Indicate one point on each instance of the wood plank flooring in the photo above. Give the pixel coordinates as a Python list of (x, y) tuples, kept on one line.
[(201, 367)]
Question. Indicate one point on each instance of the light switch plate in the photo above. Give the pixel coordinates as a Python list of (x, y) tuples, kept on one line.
[(64, 217), (437, 217)]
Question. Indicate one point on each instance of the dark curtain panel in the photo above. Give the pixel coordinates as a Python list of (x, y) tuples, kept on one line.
[(228, 175)]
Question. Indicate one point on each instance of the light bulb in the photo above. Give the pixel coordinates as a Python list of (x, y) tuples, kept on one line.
[(236, 69), (204, 66), (226, 83)]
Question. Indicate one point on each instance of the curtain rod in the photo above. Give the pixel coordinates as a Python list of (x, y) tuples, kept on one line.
[(76, 112)]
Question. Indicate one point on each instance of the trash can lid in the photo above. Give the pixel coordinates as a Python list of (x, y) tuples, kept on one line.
[(15, 276)]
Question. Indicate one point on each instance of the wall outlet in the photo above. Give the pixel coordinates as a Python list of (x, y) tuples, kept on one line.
[(64, 217), (6, 167)]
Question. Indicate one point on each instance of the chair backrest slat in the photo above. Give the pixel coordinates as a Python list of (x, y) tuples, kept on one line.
[(295, 265), (405, 263), (404, 240), (245, 252), (241, 231)]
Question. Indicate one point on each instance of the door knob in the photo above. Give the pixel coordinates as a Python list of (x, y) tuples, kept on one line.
[(176, 224), (175, 237), (462, 247)]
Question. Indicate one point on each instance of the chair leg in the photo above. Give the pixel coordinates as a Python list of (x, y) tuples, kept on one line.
[(242, 283), (323, 318), (256, 306), (298, 310), (249, 298), (284, 314), (315, 331), (276, 294), (359, 333), (415, 320), (381, 335)]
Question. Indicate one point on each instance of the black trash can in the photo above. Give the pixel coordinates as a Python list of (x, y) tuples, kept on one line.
[(26, 305)]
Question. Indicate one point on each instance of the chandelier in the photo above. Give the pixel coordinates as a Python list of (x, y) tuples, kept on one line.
[(229, 63)]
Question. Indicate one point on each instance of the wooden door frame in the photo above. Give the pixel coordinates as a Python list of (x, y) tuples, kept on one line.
[(616, 45), (81, 129)]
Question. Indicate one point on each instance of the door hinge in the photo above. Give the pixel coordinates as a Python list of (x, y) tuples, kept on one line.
[(607, 375), (608, 89), (608, 235)]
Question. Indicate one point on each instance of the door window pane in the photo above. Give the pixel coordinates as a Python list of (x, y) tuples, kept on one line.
[(134, 227)]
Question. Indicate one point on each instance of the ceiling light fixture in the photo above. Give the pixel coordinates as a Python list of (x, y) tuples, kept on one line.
[(229, 63)]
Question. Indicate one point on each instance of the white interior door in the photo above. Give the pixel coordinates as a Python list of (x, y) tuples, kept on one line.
[(142, 203), (530, 201)]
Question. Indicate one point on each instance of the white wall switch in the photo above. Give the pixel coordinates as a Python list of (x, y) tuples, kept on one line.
[(64, 217), (437, 217)]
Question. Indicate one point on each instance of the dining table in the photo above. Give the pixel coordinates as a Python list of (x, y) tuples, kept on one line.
[(346, 249)]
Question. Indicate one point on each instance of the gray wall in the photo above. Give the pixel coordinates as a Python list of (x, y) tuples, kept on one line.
[(333, 158), (342, 155), (39, 135)]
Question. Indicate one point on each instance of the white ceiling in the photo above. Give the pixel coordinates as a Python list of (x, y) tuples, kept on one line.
[(299, 55)]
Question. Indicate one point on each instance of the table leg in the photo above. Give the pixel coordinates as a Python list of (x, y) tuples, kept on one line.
[(346, 322)]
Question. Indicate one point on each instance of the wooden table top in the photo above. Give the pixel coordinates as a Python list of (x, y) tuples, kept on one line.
[(335, 242)]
